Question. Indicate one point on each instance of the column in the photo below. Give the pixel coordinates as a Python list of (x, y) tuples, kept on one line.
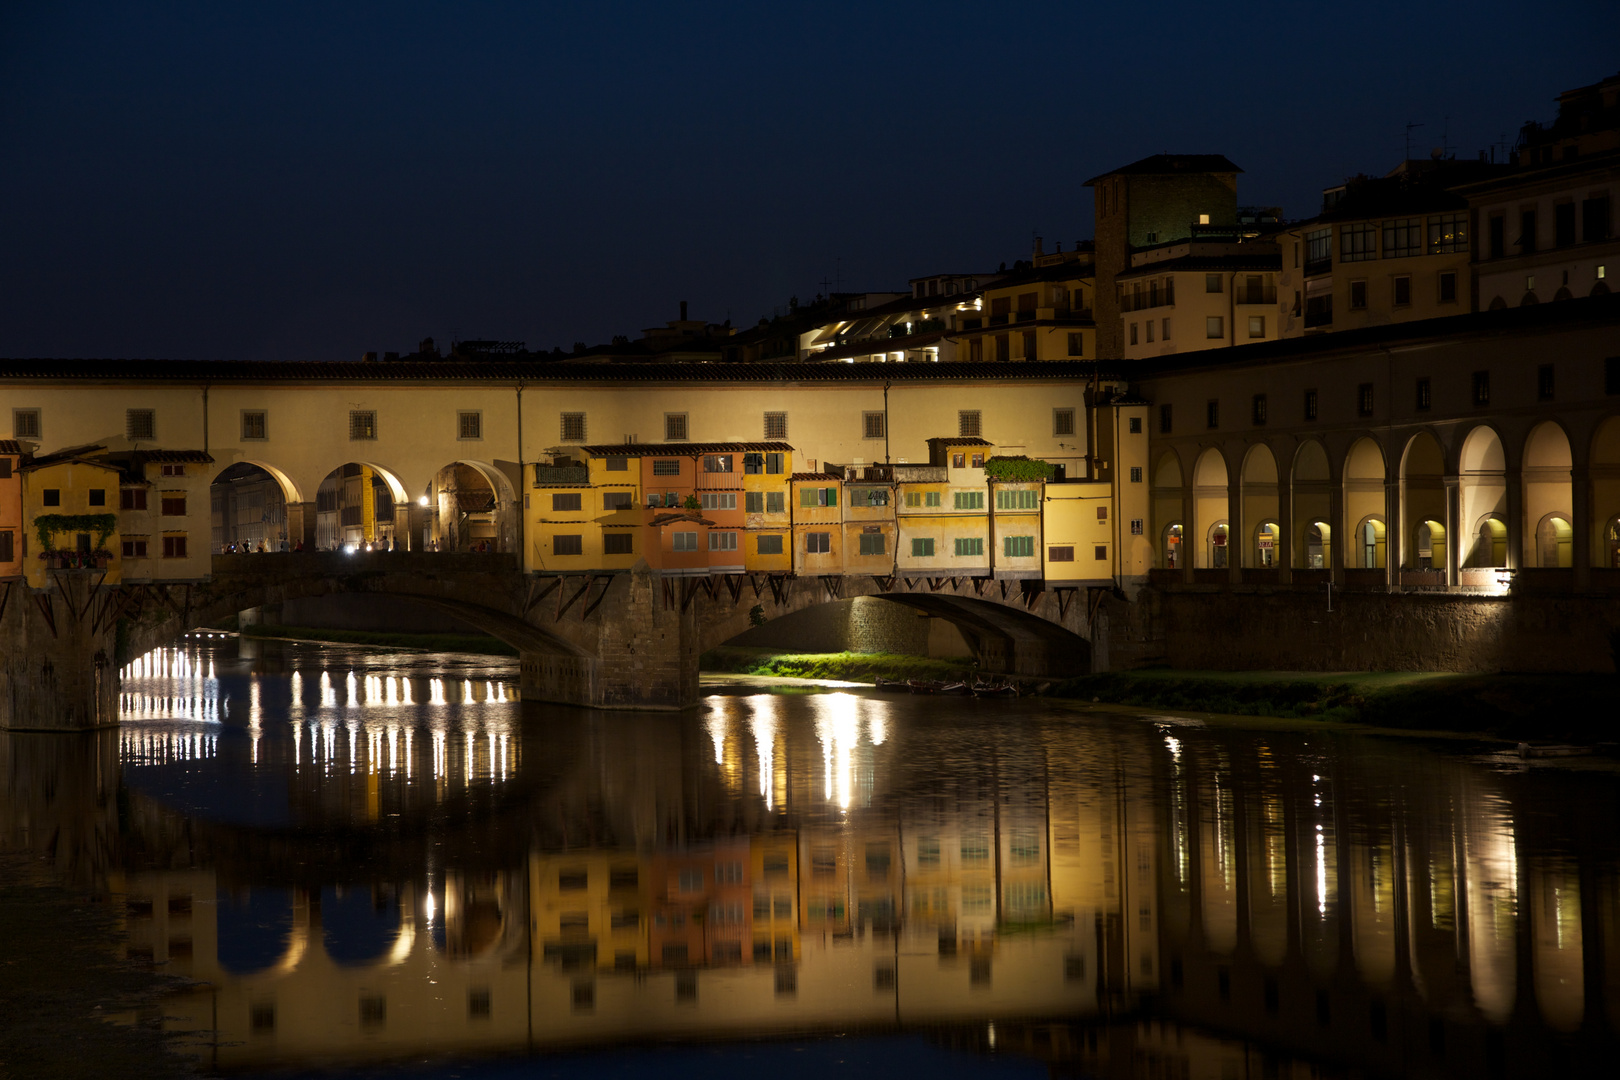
[(1453, 517), (301, 524), (1580, 550), (1189, 545), (1338, 535), (1394, 532), (1515, 520), (1237, 532), (1285, 521)]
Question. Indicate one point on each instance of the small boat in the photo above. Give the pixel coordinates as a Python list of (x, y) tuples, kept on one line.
[(893, 686), (959, 689), (923, 686), (1002, 690)]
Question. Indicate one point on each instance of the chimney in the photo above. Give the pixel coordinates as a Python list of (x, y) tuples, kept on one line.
[(369, 358), (683, 311), (1038, 245)]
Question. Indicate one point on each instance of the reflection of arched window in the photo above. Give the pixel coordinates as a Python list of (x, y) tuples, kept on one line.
[(1553, 536), (1611, 544), (1498, 304), (1370, 548), (1431, 546), (1318, 545), (1490, 544), (1218, 546), (1265, 544), (1172, 547)]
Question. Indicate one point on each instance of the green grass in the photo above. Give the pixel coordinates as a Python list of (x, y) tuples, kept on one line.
[(843, 666), (462, 643)]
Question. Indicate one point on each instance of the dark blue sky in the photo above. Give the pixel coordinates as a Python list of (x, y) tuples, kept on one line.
[(297, 182)]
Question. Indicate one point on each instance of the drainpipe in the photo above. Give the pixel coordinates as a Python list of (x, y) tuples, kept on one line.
[(1119, 501), (886, 423), (523, 485), (205, 418)]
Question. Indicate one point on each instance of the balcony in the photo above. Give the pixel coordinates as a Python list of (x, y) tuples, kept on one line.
[(1131, 302), (561, 475), (1314, 267), (1249, 295)]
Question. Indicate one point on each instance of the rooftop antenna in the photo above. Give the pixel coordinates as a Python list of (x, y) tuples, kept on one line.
[(1445, 137), (838, 273), (826, 286), (1410, 127)]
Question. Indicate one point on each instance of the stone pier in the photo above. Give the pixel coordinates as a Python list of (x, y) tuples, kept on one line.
[(58, 670)]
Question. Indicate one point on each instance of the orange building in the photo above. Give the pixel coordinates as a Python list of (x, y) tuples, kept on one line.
[(11, 511)]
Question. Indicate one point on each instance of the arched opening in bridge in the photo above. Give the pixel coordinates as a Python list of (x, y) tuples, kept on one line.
[(1266, 535), (360, 925), (1370, 551), (1210, 508), (1167, 494), (256, 930), (1604, 478), (470, 506), (1364, 494), (1312, 493), (1490, 544), (361, 507), (1260, 503), (1171, 546), (254, 508), (1423, 502), (1482, 494), (861, 624), (1548, 494)]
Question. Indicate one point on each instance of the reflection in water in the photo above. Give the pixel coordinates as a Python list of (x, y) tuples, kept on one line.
[(370, 856)]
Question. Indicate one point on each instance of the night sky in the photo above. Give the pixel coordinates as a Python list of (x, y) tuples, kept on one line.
[(308, 182)]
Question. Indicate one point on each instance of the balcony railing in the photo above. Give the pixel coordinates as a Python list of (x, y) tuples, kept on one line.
[(1318, 266), (1131, 302), (1264, 295), (561, 475)]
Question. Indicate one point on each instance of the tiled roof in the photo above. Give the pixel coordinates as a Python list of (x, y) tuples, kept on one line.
[(690, 517), (1172, 164), (11, 446), (816, 476), (175, 457), (686, 449), (508, 371), (1236, 261), (962, 440)]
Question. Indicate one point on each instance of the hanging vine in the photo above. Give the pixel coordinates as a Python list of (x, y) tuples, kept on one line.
[(46, 526)]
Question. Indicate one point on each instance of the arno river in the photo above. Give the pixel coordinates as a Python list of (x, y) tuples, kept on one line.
[(364, 858)]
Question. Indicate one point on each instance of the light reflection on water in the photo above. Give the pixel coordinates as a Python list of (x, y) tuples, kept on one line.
[(378, 855)]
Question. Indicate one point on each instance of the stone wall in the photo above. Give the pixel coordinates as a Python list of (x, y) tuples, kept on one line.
[(861, 624), (1385, 632), (57, 671)]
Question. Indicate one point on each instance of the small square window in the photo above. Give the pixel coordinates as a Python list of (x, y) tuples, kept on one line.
[(1310, 404), (675, 427), (98, 496), (51, 497), (1101, 553), (140, 423), (255, 424), (25, 424), (362, 425), (1062, 421), (1135, 425), (1214, 327), (1102, 513), (873, 425), (573, 427), (469, 425), (967, 422), (776, 425), (1212, 283)]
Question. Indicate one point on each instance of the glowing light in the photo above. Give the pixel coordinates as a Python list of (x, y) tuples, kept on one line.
[(423, 501)]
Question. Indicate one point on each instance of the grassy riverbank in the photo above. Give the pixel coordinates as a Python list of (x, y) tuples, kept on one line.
[(461, 643), (844, 666)]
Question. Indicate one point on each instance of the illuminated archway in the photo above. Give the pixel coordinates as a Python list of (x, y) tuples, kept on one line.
[(1423, 502), (1364, 483), (1210, 507), (1482, 494), (1312, 502), (1260, 503), (1370, 551), (1548, 495), (1167, 507), (360, 504)]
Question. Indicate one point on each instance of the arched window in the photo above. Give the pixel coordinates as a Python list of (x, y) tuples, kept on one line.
[(1172, 547), (1431, 546), (1611, 544), (1553, 547), (1265, 544), (1318, 546), (1370, 544), (1490, 544), (1218, 546)]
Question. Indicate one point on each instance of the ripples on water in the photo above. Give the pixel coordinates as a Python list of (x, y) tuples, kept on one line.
[(367, 856)]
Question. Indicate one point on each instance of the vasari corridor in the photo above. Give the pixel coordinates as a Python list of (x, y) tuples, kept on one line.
[(626, 540)]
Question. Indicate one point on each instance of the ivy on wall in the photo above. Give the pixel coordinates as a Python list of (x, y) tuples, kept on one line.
[(1019, 469), (48, 525)]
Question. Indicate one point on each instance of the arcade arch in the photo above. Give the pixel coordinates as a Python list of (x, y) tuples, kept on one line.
[(1260, 505), (470, 506), (1482, 478), (250, 506), (1423, 503), (361, 505), (1312, 507), (1364, 499), (1167, 509), (1210, 510), (1548, 496), (1604, 473)]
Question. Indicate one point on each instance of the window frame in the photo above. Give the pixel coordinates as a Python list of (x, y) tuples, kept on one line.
[(262, 416), (363, 425), (677, 422), (139, 420), (778, 433), (476, 416), (1063, 421), (874, 424), (22, 430), (572, 427)]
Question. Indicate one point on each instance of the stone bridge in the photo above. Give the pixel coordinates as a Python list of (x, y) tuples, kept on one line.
[(604, 640)]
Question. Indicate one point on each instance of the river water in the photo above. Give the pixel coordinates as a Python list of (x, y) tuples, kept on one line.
[(365, 858)]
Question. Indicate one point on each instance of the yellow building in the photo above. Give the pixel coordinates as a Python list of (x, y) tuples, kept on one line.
[(774, 871), (818, 535), (13, 529), (70, 507), (1198, 294), (589, 908), (963, 542), (1016, 527), (869, 523), (1041, 312), (164, 516)]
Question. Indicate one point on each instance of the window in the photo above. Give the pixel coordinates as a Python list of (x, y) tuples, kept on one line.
[(174, 547), (776, 425), (1259, 410), (1018, 547), (1448, 286), (969, 545), (817, 543), (675, 427), (174, 504), (1403, 291), (1062, 421), (51, 497), (1402, 237), (140, 423), (25, 423), (685, 541), (1136, 526), (618, 543), (1075, 347), (566, 501), (1212, 283), (1257, 326), (5, 468), (1017, 499), (1358, 295), (1595, 219), (1310, 404), (722, 541), (1318, 251), (1164, 419), (1564, 224), (1133, 333), (873, 425), (1212, 415), (1100, 553), (769, 545), (1611, 375), (666, 467), (935, 499), (98, 496), (567, 545), (1102, 513), (469, 425), (617, 464), (573, 426), (967, 422), (809, 497), (977, 460), (869, 496), (718, 500), (1364, 399), (1544, 382), (1424, 397), (1064, 553), (1134, 425), (1482, 388), (717, 463), (969, 500), (1527, 231), (1165, 328), (8, 549), (1003, 347), (1214, 327), (362, 425), (754, 502), (624, 500), (132, 499), (255, 424), (134, 548), (1136, 474), (1498, 229), (1358, 243), (922, 547), (172, 470), (1448, 233), (775, 502), (873, 544), (1149, 327)]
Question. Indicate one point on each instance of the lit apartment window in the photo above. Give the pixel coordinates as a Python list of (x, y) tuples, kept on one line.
[(362, 425), (1257, 326), (1062, 421), (1448, 233), (573, 427), (255, 424), (873, 425), (776, 425), (967, 423), (140, 423), (675, 427), (25, 423)]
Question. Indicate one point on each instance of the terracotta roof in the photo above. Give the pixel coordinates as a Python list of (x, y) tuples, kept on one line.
[(963, 440), (691, 517), (11, 446), (1235, 261), (817, 476), (686, 449), (529, 372), (175, 457), (1172, 164)]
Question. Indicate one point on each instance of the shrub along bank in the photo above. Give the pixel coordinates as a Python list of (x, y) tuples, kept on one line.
[(843, 666)]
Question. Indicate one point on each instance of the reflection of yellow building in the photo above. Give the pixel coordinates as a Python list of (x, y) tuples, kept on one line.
[(591, 909)]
